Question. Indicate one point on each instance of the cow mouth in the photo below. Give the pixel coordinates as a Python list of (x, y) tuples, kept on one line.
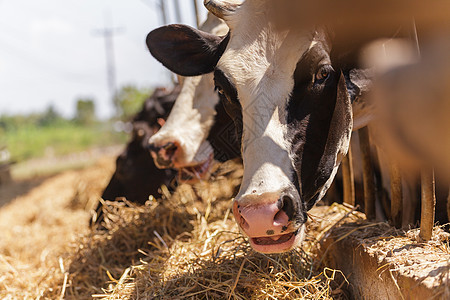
[(277, 243), (273, 240), (191, 174)]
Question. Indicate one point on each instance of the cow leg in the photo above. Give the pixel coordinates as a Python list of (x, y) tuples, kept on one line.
[(428, 204), (368, 173), (348, 178)]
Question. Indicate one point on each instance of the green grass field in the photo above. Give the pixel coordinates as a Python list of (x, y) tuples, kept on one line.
[(33, 142)]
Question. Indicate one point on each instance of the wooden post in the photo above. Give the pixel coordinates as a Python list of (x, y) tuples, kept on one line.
[(448, 204), (348, 178), (384, 211), (396, 195), (368, 173), (428, 204)]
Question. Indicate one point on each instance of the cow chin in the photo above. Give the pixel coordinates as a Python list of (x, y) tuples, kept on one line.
[(279, 243), (195, 173)]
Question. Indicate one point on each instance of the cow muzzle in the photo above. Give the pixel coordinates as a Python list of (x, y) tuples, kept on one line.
[(163, 155), (271, 221)]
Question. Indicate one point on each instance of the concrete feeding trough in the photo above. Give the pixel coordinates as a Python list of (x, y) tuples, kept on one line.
[(381, 262)]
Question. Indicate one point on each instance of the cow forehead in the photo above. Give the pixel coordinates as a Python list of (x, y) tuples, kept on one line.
[(259, 50), (260, 59)]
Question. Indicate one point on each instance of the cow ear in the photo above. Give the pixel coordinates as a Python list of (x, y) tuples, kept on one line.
[(186, 50), (319, 169)]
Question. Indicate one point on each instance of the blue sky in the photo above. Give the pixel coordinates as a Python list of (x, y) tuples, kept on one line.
[(49, 53)]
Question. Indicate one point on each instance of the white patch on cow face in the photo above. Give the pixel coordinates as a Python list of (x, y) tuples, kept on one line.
[(260, 62), (190, 121)]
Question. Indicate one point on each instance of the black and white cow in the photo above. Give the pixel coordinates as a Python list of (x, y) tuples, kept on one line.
[(198, 129), (289, 95), (136, 177)]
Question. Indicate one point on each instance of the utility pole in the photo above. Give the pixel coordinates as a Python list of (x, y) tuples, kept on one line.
[(108, 33)]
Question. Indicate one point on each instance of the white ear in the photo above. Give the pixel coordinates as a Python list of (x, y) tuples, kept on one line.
[(222, 8)]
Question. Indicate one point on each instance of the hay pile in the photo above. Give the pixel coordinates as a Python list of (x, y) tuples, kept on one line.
[(186, 246)]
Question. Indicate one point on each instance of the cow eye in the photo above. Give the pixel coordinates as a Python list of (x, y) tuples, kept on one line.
[(221, 93), (323, 73), (219, 90)]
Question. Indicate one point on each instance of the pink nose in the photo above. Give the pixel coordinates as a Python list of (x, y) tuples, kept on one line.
[(258, 220)]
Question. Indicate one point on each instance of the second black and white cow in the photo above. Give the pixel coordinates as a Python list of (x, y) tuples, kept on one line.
[(198, 130), (136, 176), (287, 91)]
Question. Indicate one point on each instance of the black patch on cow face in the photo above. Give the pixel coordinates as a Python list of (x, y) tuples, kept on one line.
[(319, 115), (158, 106), (230, 101), (186, 50), (223, 136)]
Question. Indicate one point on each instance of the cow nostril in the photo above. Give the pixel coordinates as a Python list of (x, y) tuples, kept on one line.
[(280, 218), (170, 149), (244, 223), (287, 205), (240, 217), (153, 148)]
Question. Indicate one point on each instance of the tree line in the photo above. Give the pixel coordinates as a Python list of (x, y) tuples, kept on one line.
[(129, 99)]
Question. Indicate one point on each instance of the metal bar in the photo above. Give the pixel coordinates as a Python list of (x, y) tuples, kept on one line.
[(428, 204), (368, 173), (197, 13), (176, 6), (162, 7), (348, 178), (396, 195)]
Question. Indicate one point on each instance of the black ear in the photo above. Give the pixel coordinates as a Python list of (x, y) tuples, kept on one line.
[(329, 129), (186, 50)]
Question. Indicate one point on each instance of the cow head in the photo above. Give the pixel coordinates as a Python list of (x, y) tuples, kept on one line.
[(197, 128), (136, 177), (282, 88)]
